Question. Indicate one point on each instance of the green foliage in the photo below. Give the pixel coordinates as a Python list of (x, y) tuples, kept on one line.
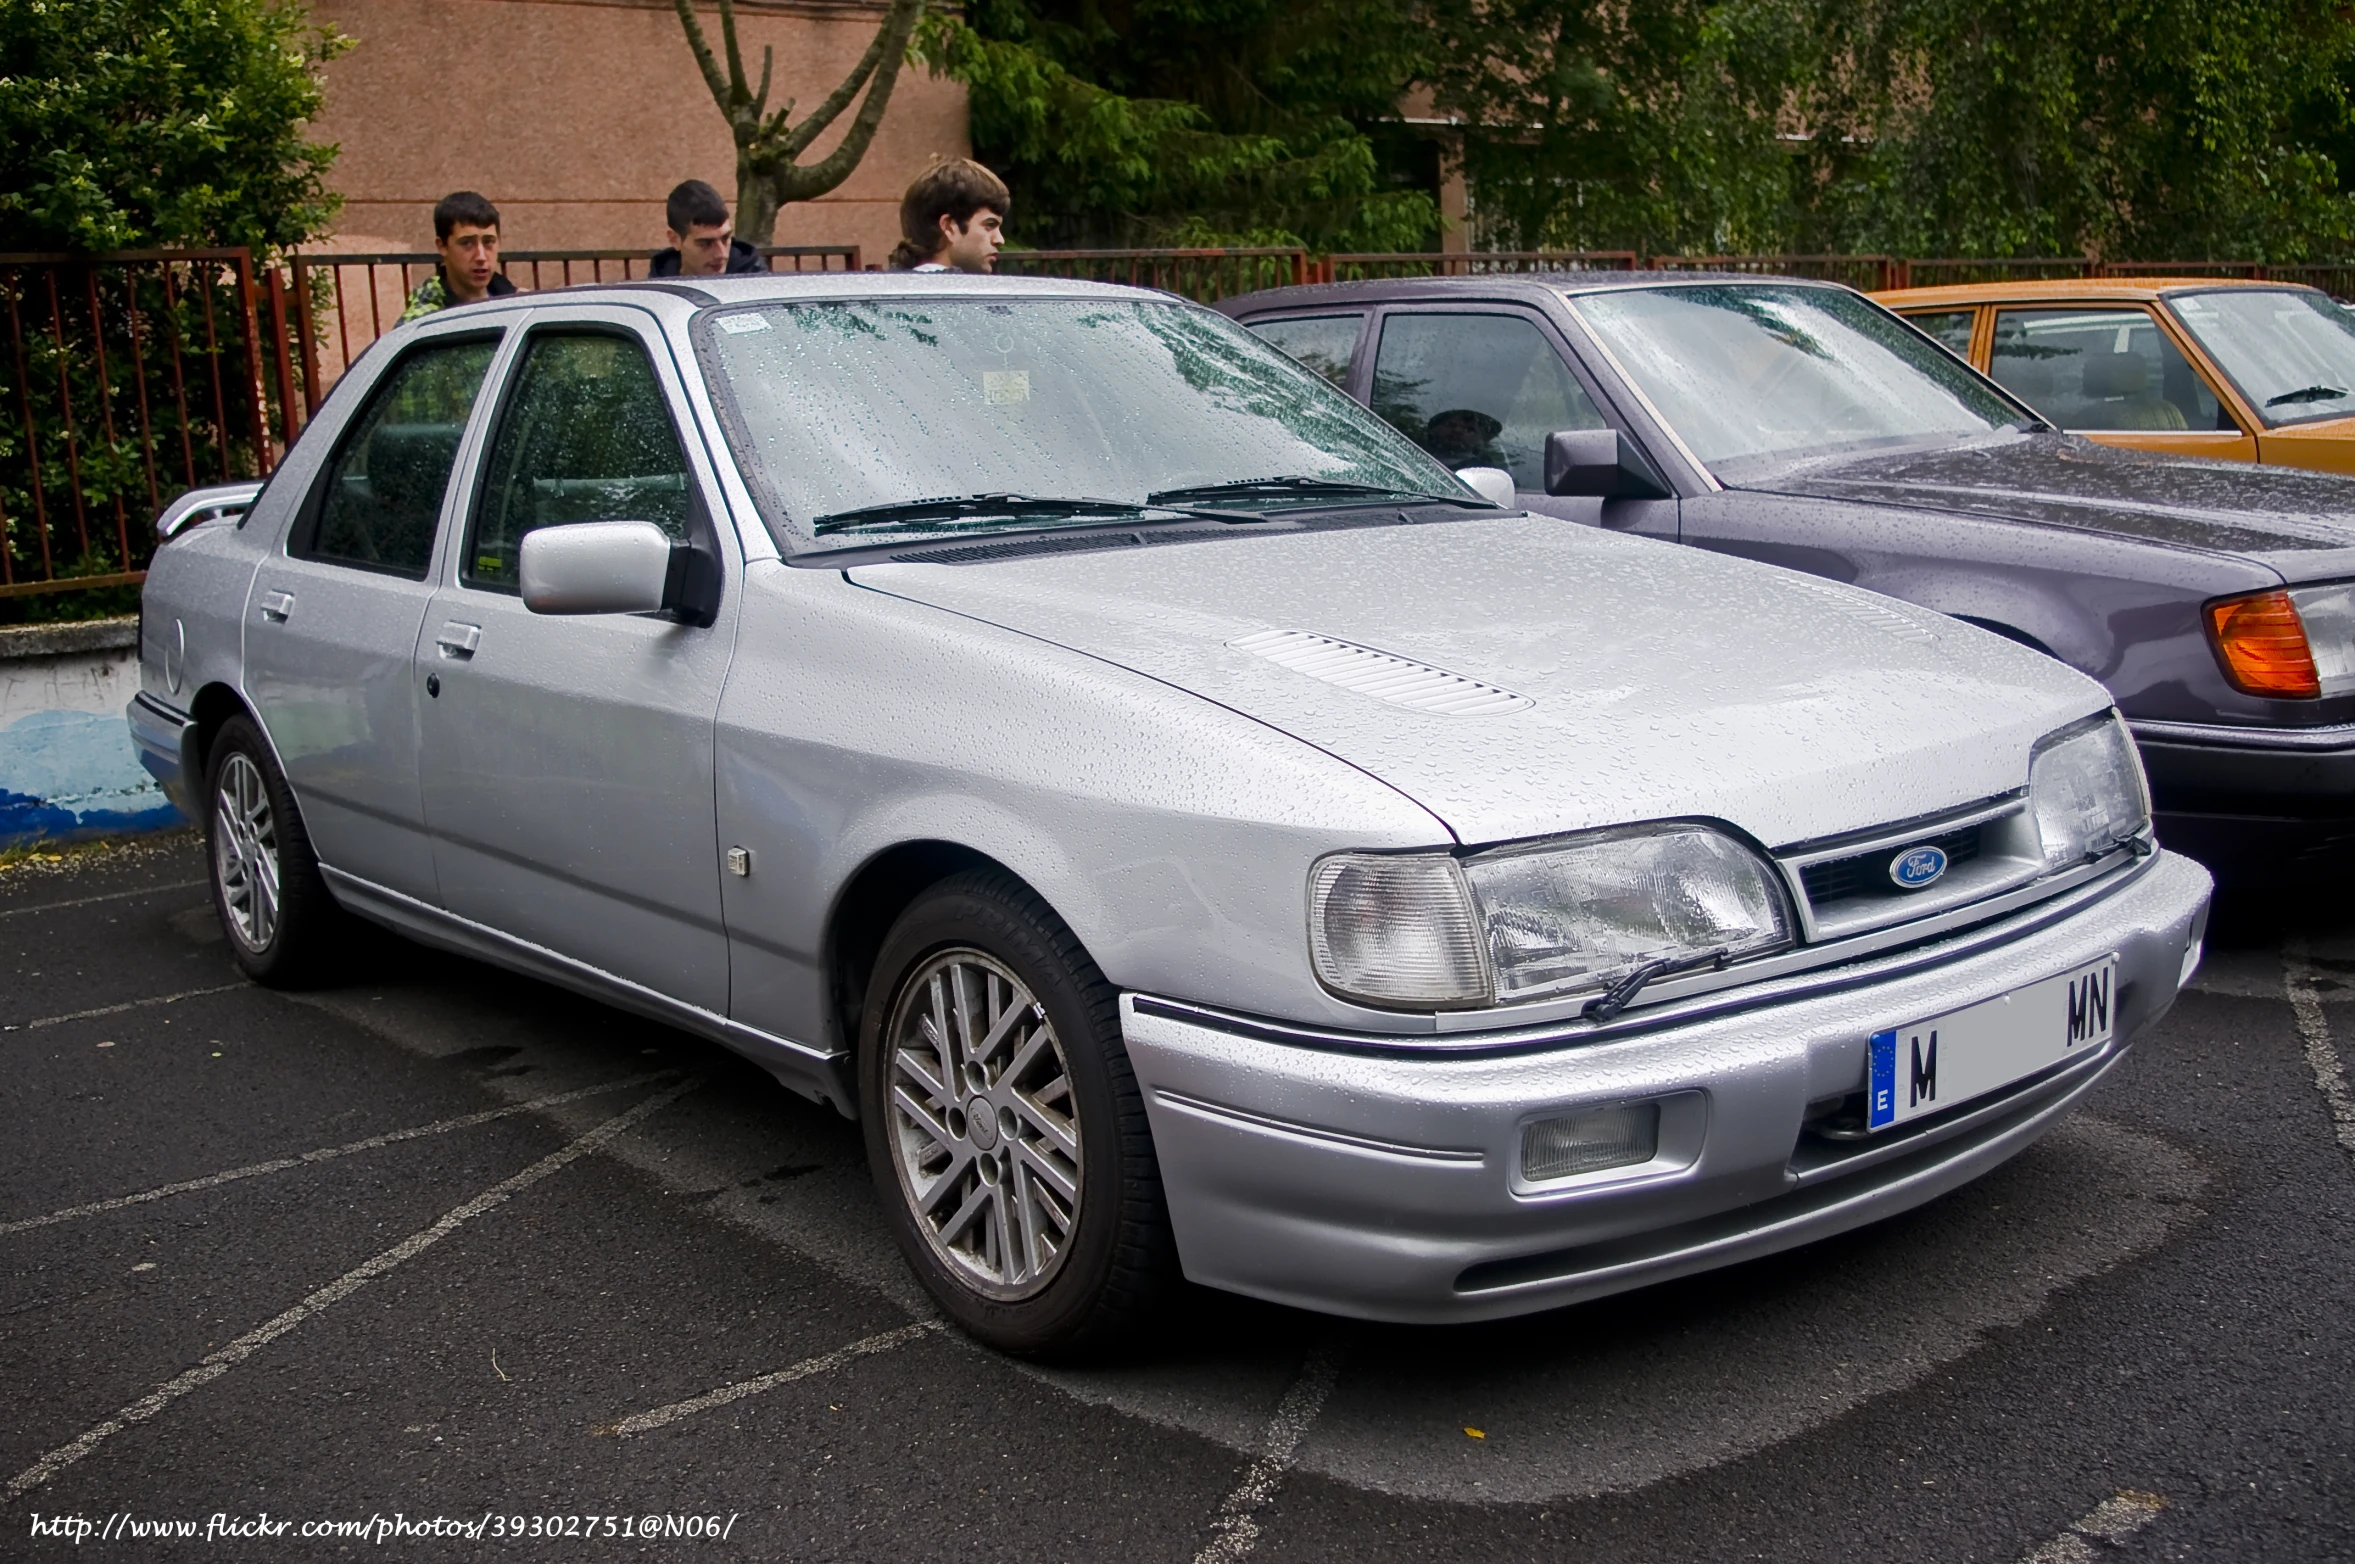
[(1192, 121), (1610, 126), (136, 123), (2160, 129)]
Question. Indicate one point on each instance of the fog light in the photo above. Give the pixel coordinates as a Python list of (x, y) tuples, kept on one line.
[(1588, 1142)]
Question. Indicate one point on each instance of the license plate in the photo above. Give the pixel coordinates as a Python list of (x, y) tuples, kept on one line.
[(1966, 1053)]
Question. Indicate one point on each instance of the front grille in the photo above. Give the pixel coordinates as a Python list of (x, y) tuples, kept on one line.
[(1867, 874)]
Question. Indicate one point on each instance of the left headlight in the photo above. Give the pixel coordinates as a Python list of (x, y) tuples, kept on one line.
[(1520, 923), (2086, 789)]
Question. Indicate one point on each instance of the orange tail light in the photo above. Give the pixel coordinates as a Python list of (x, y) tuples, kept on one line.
[(2262, 644)]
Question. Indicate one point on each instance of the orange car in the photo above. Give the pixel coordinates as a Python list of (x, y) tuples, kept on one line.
[(2245, 371)]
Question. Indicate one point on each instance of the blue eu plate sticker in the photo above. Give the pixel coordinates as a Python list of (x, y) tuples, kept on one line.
[(1880, 1101)]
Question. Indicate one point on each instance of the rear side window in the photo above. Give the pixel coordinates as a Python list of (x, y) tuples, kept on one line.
[(586, 436), (379, 501), (1952, 328), (1478, 391), (2110, 370), (1324, 343)]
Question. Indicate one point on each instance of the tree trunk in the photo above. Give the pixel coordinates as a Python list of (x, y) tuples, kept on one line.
[(756, 204)]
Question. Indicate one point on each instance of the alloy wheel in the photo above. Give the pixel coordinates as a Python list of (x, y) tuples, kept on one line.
[(982, 1124), (245, 851)]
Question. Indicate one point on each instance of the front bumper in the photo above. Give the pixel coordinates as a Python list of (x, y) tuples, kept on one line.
[(163, 738), (1365, 1178), (2255, 804)]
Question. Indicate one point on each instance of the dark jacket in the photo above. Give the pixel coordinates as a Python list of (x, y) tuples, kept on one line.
[(742, 257)]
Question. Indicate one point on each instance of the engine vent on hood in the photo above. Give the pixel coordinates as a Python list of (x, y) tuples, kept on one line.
[(1398, 680)]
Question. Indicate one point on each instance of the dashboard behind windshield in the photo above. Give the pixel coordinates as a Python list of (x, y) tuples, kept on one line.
[(843, 407), (1755, 375)]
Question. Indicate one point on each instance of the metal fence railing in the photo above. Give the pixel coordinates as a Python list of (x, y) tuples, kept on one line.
[(1473, 263), (128, 378), (1205, 275), (345, 302)]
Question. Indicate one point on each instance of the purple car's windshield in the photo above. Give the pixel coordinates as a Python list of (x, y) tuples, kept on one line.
[(1755, 375)]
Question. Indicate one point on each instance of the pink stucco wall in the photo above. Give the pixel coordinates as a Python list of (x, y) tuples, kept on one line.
[(577, 116)]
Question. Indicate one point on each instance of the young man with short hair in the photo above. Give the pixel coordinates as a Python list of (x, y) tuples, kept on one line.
[(466, 232), (953, 218), (703, 240)]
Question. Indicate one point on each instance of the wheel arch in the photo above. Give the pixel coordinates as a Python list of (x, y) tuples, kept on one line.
[(213, 706), (870, 902)]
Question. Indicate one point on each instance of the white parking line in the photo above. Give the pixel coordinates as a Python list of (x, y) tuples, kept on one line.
[(2330, 1076), (2112, 1521), (328, 1153), (1237, 1530), (219, 1363), (128, 1004), (640, 1422), (85, 901)]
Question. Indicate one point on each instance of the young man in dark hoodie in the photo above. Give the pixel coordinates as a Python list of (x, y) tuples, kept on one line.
[(703, 240)]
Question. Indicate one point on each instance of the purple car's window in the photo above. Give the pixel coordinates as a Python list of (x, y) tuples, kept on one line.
[(844, 413), (1478, 390), (1323, 342), (1774, 372), (2291, 352)]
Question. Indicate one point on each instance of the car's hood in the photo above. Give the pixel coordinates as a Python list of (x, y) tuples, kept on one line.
[(2301, 523), (1661, 681)]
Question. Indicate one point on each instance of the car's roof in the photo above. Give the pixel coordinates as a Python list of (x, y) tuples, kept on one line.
[(753, 288), (1534, 286), (2069, 290)]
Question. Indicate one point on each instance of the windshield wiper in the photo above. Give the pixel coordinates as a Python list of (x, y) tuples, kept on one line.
[(2306, 394), (1289, 486), (948, 511), (1616, 998)]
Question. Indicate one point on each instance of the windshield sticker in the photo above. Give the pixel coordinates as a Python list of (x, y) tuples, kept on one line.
[(738, 325), (1005, 387)]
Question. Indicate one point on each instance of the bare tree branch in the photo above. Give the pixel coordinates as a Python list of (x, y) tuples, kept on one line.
[(768, 145)]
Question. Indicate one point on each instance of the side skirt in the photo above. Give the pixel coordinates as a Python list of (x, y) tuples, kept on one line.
[(814, 1073)]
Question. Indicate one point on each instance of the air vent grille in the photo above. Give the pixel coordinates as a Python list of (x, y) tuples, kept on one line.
[(1016, 548), (1398, 680)]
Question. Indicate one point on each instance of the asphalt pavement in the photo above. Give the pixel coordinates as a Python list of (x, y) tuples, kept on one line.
[(443, 1262)]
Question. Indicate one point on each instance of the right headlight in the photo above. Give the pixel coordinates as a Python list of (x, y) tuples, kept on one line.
[(1527, 922), (2295, 645), (2086, 790)]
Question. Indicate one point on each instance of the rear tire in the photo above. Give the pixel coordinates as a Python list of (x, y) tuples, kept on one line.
[(1005, 1130), (284, 927)]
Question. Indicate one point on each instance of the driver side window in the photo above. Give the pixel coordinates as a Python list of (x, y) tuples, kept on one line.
[(1478, 391), (586, 436)]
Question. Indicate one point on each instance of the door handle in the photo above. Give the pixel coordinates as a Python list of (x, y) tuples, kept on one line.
[(458, 640), (276, 606)]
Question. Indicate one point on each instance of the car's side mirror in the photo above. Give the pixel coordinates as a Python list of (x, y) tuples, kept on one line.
[(1493, 484), (1602, 463), (599, 567)]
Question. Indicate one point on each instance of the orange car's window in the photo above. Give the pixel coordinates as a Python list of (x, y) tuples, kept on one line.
[(2100, 369), (1952, 328)]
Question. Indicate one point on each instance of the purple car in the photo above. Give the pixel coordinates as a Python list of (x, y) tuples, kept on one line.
[(1801, 424)]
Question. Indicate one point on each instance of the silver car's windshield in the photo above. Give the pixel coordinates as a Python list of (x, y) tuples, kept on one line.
[(1753, 375), (855, 420), (2292, 353)]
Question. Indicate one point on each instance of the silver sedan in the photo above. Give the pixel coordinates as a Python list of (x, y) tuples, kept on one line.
[(1197, 833)]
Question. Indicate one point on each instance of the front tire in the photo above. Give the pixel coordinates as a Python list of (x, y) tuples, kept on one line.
[(284, 927), (1005, 1130)]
